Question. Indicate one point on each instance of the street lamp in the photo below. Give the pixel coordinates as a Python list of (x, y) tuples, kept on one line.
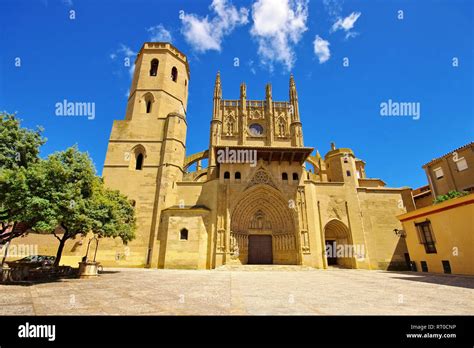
[(399, 233)]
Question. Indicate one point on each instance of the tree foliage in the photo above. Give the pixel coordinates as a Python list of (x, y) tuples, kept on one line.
[(19, 146), (62, 195), (449, 195), (111, 213)]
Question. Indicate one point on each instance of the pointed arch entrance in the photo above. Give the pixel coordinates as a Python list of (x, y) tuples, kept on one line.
[(263, 228), (340, 250)]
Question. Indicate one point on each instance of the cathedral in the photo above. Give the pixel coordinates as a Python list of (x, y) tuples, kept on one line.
[(256, 195)]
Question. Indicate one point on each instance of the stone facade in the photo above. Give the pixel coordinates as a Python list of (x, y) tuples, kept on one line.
[(260, 180)]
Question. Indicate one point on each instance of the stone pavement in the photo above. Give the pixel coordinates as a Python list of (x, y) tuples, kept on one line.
[(238, 291)]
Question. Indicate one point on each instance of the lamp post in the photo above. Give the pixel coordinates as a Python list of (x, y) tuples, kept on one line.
[(399, 233)]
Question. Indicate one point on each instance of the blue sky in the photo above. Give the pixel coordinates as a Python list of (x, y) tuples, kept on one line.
[(404, 60)]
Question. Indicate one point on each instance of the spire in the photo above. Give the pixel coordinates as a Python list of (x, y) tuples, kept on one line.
[(217, 86), (268, 91), (216, 113), (268, 98), (294, 109), (293, 94), (243, 91)]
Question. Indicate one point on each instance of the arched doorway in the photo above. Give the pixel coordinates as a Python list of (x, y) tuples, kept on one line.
[(263, 228), (339, 250)]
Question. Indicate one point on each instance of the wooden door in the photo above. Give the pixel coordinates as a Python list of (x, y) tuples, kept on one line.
[(260, 250)]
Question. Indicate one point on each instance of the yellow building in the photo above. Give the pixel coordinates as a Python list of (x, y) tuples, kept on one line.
[(261, 197), (440, 237)]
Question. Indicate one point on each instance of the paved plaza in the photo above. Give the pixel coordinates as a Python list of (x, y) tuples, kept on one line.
[(261, 290)]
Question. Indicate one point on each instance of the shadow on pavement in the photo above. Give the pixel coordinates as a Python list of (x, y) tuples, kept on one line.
[(462, 281)]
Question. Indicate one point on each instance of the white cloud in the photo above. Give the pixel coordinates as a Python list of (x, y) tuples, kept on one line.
[(205, 34), (350, 34), (333, 7), (321, 49), (128, 53), (159, 33), (251, 67), (347, 23), (125, 52), (278, 26)]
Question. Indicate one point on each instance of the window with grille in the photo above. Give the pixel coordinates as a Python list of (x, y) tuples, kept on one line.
[(426, 237)]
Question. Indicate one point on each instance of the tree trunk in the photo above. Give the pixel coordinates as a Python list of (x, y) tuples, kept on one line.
[(7, 246), (62, 242)]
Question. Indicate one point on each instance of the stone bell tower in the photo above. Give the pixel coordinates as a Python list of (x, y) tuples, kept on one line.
[(146, 151)]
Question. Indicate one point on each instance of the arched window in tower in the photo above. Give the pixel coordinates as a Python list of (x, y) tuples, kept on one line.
[(147, 101), (284, 176), (174, 74), (226, 176), (136, 157), (237, 175), (154, 67), (139, 162), (295, 176)]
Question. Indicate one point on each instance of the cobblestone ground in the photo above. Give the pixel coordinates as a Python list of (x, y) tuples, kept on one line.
[(249, 290)]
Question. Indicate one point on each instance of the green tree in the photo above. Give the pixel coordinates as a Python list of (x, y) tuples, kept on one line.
[(23, 205), (67, 184), (112, 214), (50, 196), (19, 148), (63, 196)]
